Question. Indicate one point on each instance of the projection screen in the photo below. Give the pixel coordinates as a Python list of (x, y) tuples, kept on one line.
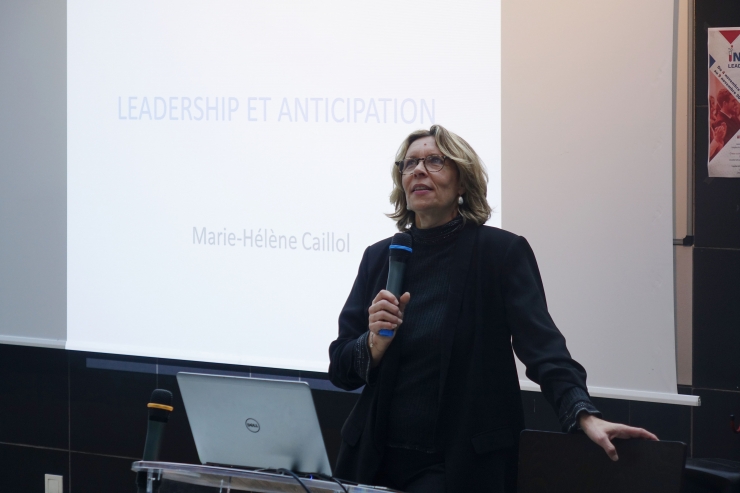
[(229, 162)]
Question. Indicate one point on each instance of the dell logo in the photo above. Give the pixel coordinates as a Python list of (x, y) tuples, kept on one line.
[(252, 425)]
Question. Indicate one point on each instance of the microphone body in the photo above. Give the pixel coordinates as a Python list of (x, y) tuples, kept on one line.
[(396, 270), (153, 444), (400, 250), (160, 407)]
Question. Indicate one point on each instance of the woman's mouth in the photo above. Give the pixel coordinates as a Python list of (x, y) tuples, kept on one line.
[(420, 189)]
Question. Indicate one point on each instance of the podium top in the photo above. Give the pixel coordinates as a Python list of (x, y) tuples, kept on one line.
[(227, 479)]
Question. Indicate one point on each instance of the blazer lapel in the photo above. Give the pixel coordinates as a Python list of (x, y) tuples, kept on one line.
[(461, 260), (385, 385)]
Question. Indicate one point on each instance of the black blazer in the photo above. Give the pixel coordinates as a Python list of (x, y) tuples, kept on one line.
[(496, 300)]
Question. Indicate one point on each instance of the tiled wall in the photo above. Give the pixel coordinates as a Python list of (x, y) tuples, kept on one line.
[(716, 325), (84, 416)]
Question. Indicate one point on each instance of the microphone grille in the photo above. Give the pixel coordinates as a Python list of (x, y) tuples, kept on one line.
[(160, 405), (401, 245), (403, 239), (161, 396)]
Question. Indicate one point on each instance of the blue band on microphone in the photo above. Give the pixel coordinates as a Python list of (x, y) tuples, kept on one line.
[(401, 247)]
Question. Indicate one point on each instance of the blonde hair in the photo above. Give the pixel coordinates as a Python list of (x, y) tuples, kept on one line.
[(473, 177)]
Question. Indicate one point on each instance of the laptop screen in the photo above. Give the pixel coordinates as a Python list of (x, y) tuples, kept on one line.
[(255, 423)]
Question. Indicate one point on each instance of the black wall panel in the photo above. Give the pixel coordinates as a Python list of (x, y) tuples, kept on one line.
[(717, 200), (34, 396), (93, 473), (667, 421), (717, 318), (713, 436), (716, 290), (107, 423), (108, 413), (538, 415), (22, 468)]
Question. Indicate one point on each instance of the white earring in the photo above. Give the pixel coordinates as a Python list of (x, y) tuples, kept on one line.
[(460, 200)]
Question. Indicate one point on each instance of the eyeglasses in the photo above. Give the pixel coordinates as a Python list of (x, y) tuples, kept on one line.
[(432, 163)]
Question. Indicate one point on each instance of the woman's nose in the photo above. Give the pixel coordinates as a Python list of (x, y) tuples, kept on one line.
[(419, 168)]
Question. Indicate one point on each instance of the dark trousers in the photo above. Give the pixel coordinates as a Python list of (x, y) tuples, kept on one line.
[(412, 471)]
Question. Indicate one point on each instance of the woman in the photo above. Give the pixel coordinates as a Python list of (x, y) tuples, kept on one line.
[(441, 409)]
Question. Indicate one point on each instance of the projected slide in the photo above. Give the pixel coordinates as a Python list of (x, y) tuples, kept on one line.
[(229, 162)]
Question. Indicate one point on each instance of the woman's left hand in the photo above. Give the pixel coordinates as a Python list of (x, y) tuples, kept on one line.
[(602, 432)]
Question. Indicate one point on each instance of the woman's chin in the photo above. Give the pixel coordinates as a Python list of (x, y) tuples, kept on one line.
[(422, 205)]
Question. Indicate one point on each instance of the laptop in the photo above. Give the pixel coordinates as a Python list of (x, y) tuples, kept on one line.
[(254, 423)]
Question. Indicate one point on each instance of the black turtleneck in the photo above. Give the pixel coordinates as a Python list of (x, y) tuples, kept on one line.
[(414, 406)]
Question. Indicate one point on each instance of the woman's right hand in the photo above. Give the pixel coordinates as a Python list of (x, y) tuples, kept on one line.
[(386, 312)]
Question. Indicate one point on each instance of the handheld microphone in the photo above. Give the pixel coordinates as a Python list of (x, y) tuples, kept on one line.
[(160, 407), (400, 250)]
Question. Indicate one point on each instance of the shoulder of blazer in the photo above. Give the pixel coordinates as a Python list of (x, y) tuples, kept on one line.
[(492, 233), (379, 249), (496, 242), (376, 254)]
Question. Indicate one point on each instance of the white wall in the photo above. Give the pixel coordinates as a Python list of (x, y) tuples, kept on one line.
[(33, 157), (587, 176)]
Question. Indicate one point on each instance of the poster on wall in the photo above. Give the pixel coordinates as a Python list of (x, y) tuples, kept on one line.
[(724, 102)]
